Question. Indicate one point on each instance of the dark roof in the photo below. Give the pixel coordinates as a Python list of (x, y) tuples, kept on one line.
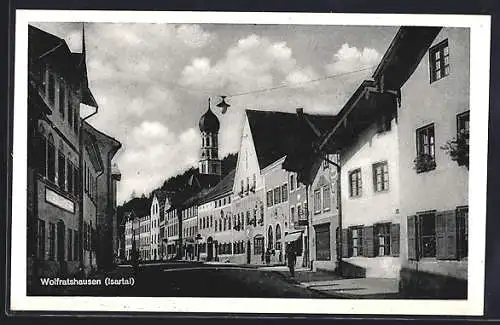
[(42, 44), (275, 133), (225, 186), (101, 135), (209, 122), (404, 54)]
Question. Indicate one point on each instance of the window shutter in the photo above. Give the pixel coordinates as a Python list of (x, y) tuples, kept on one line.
[(395, 239), (368, 241), (441, 249), (446, 235), (345, 243), (412, 237)]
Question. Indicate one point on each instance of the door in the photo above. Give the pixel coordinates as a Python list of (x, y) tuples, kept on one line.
[(249, 253)]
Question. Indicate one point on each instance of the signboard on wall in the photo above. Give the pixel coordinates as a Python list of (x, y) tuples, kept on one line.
[(59, 200)]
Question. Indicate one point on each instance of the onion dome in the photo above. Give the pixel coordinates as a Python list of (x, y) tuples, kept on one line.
[(209, 122)]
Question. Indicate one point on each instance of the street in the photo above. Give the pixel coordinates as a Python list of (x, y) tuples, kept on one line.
[(191, 279), (196, 279)]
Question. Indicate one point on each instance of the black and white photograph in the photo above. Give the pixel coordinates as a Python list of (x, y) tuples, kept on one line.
[(249, 162)]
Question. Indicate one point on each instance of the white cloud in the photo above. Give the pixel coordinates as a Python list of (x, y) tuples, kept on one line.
[(150, 130), (254, 62), (194, 36), (301, 77), (153, 154), (349, 59)]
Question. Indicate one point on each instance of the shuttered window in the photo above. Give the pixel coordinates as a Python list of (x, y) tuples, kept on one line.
[(441, 235), (61, 173), (355, 185), (284, 192), (427, 234), (70, 245), (269, 198), (317, 201), (356, 241), (327, 202), (323, 242), (383, 239), (51, 160)]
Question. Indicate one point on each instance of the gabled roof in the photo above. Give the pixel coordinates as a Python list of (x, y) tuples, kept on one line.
[(43, 45), (404, 54), (224, 187), (102, 137), (275, 133)]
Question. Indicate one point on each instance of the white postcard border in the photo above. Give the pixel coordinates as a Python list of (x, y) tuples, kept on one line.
[(479, 98)]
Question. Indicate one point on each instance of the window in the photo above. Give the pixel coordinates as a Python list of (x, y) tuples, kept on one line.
[(76, 182), (62, 98), (77, 244), (463, 124), (52, 241), (357, 241), (427, 229), (327, 202), (292, 213), (277, 195), (51, 159), (355, 183), (278, 237), (61, 177), (326, 164), (270, 198), (439, 61), (322, 233), (426, 145), (384, 123), (317, 201), (41, 240), (248, 184), (383, 238), (76, 120), (381, 176), (254, 182), (70, 245), (70, 107), (242, 183), (52, 88), (292, 182), (41, 156), (270, 240), (211, 221), (284, 192), (258, 245)]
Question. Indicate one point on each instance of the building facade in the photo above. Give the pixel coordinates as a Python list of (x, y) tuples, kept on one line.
[(57, 86), (106, 222), (145, 238), (324, 216), (434, 207), (171, 229)]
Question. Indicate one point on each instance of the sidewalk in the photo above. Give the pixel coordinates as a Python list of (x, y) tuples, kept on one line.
[(333, 285)]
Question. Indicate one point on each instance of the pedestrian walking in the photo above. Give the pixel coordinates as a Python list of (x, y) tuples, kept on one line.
[(291, 258)]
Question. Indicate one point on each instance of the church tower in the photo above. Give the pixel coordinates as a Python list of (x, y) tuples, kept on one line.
[(209, 126)]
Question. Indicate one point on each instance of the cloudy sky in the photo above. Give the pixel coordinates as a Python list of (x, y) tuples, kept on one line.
[(153, 81)]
